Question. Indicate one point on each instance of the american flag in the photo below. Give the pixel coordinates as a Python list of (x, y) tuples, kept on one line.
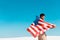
[(40, 28)]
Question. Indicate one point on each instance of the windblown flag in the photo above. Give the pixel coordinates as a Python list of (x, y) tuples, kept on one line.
[(40, 28)]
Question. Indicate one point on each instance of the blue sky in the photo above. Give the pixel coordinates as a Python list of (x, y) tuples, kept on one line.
[(17, 15)]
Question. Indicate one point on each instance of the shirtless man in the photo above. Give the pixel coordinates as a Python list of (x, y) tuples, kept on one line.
[(42, 36)]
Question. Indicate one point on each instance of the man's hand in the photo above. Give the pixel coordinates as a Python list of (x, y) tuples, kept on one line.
[(53, 26)]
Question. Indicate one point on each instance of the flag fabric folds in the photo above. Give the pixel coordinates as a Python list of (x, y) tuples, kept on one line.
[(40, 28)]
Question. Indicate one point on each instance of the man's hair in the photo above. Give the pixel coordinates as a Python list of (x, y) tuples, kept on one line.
[(42, 14)]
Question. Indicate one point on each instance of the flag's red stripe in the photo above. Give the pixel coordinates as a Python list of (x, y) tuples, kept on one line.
[(48, 25), (31, 32), (42, 25), (40, 29), (34, 29)]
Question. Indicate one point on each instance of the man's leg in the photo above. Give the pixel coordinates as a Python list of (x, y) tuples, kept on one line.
[(44, 37), (40, 37)]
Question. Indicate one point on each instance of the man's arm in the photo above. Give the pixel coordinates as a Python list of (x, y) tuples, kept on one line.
[(53, 26)]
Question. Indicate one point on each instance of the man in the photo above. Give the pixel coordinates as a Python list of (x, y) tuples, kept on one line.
[(42, 36)]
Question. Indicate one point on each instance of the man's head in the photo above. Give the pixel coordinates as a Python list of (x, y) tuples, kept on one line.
[(42, 16)]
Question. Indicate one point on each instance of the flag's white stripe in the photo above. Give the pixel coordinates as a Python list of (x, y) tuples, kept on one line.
[(41, 32), (45, 25), (51, 25), (40, 22), (35, 28), (45, 30), (32, 31), (33, 23), (39, 27)]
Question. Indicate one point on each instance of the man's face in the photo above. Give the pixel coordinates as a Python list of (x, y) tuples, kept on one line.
[(42, 17)]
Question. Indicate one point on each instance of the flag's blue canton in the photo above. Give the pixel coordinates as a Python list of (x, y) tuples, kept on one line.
[(36, 20)]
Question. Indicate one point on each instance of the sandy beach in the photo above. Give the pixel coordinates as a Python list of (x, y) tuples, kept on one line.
[(31, 38)]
